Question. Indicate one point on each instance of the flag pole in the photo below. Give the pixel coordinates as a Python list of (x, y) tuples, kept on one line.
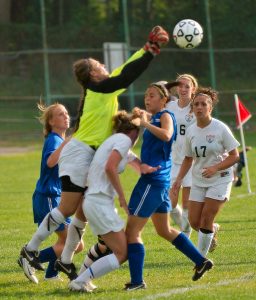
[(243, 144)]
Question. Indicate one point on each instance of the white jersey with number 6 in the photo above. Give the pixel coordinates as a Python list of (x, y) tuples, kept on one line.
[(184, 119), (209, 146)]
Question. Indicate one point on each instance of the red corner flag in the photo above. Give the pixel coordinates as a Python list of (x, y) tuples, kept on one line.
[(244, 113)]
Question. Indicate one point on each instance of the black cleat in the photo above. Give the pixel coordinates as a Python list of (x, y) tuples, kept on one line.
[(132, 287), (200, 270), (32, 257), (68, 269)]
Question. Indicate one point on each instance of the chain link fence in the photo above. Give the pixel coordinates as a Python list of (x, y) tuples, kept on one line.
[(23, 73)]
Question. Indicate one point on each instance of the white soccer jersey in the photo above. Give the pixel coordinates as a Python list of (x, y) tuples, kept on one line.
[(209, 146), (184, 119), (98, 181)]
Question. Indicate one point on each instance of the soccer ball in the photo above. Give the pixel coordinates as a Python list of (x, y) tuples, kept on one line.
[(188, 34)]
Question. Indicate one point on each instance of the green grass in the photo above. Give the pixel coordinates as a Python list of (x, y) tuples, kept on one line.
[(167, 272)]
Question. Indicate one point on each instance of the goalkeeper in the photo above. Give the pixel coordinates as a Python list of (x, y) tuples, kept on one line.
[(94, 124)]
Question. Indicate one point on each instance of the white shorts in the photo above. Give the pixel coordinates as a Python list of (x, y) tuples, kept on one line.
[(75, 159), (101, 214), (219, 192), (186, 181)]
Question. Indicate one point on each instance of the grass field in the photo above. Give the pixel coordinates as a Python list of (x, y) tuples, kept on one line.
[(167, 273)]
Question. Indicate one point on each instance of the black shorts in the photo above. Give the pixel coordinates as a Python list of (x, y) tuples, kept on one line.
[(68, 186)]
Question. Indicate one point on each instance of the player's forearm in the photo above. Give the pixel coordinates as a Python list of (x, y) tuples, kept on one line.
[(128, 75), (53, 159), (135, 164), (161, 133), (228, 162)]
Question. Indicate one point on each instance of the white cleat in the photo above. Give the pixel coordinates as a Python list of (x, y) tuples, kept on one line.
[(28, 270), (214, 242), (79, 287), (91, 286)]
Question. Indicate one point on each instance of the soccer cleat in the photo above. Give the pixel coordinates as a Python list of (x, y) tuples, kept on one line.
[(68, 269), (32, 257), (132, 287), (91, 286), (213, 246), (27, 269), (79, 287), (214, 242), (200, 270)]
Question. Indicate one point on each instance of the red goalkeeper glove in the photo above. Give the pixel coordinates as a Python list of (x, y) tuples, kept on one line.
[(159, 36)]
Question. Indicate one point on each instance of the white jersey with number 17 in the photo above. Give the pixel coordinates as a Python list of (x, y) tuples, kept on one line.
[(209, 146)]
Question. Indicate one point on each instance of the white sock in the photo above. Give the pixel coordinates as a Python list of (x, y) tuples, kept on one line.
[(99, 268), (185, 226), (88, 261), (176, 214), (204, 242), (76, 231), (83, 268), (50, 223)]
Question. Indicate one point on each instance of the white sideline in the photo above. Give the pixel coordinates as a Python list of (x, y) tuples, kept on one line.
[(244, 278), (244, 195)]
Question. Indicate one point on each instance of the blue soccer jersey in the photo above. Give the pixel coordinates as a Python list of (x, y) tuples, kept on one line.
[(156, 152), (49, 182)]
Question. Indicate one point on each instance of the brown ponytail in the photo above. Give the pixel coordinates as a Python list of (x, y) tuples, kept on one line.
[(81, 69), (123, 122)]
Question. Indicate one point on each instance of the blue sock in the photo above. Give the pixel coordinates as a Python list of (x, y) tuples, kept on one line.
[(183, 243), (45, 255), (51, 272), (136, 254)]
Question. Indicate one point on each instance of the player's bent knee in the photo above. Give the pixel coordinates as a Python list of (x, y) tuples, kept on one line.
[(80, 247), (121, 256)]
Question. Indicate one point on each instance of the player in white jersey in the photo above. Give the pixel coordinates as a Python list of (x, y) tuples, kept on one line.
[(103, 184), (212, 148), (181, 107)]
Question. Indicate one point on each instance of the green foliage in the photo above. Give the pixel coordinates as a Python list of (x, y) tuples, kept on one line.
[(76, 21), (167, 272)]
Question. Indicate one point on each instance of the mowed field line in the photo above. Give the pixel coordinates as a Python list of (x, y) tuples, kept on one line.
[(245, 278)]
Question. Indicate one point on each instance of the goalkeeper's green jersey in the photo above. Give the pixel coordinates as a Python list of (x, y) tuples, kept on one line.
[(100, 106)]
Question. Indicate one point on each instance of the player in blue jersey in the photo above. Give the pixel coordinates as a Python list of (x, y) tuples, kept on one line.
[(46, 197), (94, 124), (150, 197)]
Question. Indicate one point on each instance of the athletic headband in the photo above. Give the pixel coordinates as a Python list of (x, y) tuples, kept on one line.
[(160, 85), (203, 94), (189, 77)]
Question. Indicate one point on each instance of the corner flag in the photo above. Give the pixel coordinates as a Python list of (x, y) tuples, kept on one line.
[(242, 114)]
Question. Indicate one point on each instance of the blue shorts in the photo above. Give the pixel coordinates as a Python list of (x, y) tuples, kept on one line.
[(42, 205), (147, 199)]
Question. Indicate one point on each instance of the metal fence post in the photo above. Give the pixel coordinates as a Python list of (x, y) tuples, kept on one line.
[(45, 54), (127, 41)]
